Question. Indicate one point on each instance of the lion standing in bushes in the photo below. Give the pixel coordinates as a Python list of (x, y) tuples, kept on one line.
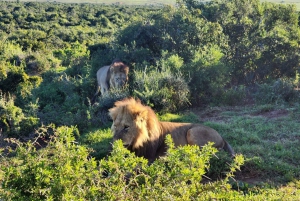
[(141, 132), (113, 76)]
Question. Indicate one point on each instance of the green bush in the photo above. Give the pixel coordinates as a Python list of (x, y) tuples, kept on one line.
[(11, 77), (208, 75), (278, 92), (161, 90), (13, 120), (72, 53), (38, 62), (10, 115), (104, 102), (28, 125), (99, 140), (63, 100), (232, 96), (63, 171)]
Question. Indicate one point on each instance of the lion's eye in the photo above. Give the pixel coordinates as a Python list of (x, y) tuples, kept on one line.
[(126, 127)]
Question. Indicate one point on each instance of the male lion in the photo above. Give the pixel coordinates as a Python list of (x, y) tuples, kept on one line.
[(141, 132), (113, 76)]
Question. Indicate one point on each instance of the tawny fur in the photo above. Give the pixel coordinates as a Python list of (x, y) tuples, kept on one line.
[(141, 132), (113, 76)]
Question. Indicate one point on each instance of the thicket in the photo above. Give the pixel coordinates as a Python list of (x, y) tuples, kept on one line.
[(191, 54), (63, 171)]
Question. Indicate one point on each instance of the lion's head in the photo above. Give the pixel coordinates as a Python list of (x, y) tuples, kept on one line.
[(118, 74), (133, 123)]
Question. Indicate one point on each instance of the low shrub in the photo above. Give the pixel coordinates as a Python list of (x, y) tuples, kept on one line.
[(63, 170), (13, 121), (104, 102), (162, 90), (278, 92), (231, 96), (63, 100)]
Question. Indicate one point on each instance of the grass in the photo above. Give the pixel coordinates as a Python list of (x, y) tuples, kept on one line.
[(268, 139), (269, 143)]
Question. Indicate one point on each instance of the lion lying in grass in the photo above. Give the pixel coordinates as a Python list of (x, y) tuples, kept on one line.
[(141, 132), (113, 76)]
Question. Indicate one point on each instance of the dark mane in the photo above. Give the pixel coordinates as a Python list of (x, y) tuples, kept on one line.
[(116, 64)]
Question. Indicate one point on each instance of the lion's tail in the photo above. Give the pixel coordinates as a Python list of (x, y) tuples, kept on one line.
[(228, 148)]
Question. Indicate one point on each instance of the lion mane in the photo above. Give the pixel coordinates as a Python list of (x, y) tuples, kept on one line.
[(113, 76), (141, 132)]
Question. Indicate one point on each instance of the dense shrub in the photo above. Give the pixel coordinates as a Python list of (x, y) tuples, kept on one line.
[(208, 75), (63, 101), (261, 37), (11, 78), (63, 171), (177, 31), (278, 92), (232, 96), (161, 89), (103, 103), (13, 121), (72, 53)]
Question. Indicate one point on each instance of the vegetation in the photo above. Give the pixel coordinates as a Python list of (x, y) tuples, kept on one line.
[(234, 64)]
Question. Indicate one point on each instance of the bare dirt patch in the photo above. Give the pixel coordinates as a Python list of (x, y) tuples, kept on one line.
[(273, 113), (212, 114), (218, 114), (248, 175)]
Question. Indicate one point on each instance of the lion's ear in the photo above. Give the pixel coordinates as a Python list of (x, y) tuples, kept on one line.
[(113, 113)]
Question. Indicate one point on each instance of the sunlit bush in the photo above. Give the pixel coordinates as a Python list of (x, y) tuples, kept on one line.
[(64, 171), (162, 89)]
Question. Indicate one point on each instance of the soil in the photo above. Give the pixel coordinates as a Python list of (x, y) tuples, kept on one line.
[(274, 114)]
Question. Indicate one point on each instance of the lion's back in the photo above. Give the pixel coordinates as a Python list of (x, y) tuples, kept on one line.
[(102, 74)]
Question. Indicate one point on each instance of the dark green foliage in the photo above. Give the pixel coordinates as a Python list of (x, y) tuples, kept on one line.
[(107, 101), (11, 81), (208, 74), (162, 90), (231, 96), (63, 100), (278, 92), (14, 122), (262, 38), (173, 30)]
